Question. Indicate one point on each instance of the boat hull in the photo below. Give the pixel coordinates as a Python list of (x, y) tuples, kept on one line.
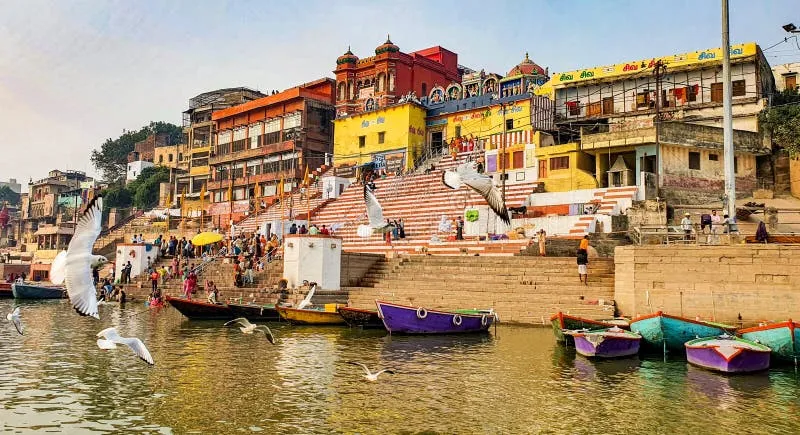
[(561, 322), (27, 291), (310, 317), (196, 310), (367, 319), (5, 290), (401, 319), (603, 344), (661, 330), (255, 312), (783, 338), (727, 355)]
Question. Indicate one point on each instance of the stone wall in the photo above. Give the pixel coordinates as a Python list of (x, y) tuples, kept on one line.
[(756, 282), (794, 176)]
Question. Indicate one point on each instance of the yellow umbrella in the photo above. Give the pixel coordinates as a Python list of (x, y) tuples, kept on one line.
[(206, 238)]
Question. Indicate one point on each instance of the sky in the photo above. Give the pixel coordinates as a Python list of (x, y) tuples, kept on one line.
[(74, 73)]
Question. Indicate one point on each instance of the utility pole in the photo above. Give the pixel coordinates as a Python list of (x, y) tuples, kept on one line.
[(660, 69), (727, 117)]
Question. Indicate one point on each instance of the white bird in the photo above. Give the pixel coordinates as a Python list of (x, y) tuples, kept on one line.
[(13, 317), (307, 300), (466, 173), (249, 328), (76, 263), (368, 374), (377, 224), (111, 339)]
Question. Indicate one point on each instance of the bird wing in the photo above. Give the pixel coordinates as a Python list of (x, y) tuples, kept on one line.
[(105, 344), (80, 286), (485, 187), (15, 313), (240, 320), (109, 334), (307, 300), (451, 179), (138, 348), (16, 322), (265, 329), (374, 210), (390, 371), (366, 370), (58, 268)]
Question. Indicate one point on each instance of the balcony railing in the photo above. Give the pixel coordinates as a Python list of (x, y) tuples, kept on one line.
[(265, 150)]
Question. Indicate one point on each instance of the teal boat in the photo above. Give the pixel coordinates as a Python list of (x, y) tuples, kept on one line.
[(667, 332), (31, 291), (783, 338)]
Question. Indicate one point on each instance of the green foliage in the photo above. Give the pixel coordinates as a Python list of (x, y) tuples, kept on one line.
[(6, 194), (782, 120), (117, 197), (112, 157), (141, 192)]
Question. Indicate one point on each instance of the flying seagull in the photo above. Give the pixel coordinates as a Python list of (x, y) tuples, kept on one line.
[(466, 173), (307, 300), (76, 263), (368, 374), (13, 317), (111, 339), (377, 224), (248, 328)]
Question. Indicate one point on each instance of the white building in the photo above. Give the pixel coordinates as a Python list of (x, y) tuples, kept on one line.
[(135, 169), (786, 76), (12, 184)]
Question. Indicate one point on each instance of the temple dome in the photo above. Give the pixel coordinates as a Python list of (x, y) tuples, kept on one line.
[(526, 67), (387, 47), (347, 57)]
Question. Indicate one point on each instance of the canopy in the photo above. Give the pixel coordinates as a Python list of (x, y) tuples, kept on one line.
[(206, 238)]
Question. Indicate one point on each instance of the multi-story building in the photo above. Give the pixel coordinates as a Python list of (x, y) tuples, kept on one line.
[(786, 76), (663, 116), (12, 184), (258, 143), (363, 85)]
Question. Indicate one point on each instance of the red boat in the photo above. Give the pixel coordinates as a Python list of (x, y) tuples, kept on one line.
[(5, 290), (363, 318), (197, 310)]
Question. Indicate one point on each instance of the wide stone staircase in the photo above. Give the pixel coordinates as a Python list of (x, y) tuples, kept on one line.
[(420, 200), (521, 289)]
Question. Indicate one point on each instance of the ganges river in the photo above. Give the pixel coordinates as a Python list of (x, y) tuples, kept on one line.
[(210, 379)]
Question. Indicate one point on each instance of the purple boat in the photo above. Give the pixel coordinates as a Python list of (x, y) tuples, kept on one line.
[(402, 319), (728, 354), (606, 343)]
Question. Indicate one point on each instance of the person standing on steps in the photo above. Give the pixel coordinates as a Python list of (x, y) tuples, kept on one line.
[(686, 226), (460, 228), (542, 240), (584, 243), (583, 262)]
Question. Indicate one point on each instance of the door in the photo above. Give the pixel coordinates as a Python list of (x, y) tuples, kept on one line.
[(436, 141), (543, 168), (790, 82), (608, 105)]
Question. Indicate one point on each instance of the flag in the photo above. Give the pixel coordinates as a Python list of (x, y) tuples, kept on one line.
[(306, 180)]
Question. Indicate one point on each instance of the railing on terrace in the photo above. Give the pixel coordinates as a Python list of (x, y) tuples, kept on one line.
[(719, 234)]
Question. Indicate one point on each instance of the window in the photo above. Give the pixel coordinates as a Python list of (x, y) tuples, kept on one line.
[(169, 158), (735, 165), (716, 92), (594, 109), (694, 160), (362, 141), (518, 160), (509, 124), (574, 108), (643, 100), (559, 163), (381, 136), (691, 92), (180, 157), (713, 157), (161, 158), (608, 105), (458, 131), (738, 88), (790, 82)]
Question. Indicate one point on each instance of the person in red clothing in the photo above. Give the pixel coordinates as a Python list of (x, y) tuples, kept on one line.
[(154, 279), (325, 231)]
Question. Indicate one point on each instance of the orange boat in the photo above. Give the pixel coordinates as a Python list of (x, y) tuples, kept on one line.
[(310, 317)]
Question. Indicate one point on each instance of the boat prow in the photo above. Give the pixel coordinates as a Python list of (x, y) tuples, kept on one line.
[(665, 331), (783, 338), (728, 354), (561, 322), (32, 291), (197, 310), (606, 343), (419, 320)]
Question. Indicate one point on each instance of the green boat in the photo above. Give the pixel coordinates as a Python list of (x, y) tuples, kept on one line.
[(561, 322), (783, 338)]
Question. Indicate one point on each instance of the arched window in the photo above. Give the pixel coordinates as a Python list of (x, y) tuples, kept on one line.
[(180, 157), (169, 157), (381, 82), (342, 90), (161, 158)]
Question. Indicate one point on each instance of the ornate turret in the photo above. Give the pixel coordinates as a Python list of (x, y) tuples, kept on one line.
[(348, 58), (526, 67), (387, 47)]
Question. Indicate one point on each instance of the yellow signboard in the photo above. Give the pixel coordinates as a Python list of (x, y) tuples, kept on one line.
[(677, 60)]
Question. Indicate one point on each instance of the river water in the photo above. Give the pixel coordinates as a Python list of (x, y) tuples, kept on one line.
[(209, 379)]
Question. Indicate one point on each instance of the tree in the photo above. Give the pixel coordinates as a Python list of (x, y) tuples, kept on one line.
[(112, 157), (117, 197), (145, 188), (6, 194), (782, 120)]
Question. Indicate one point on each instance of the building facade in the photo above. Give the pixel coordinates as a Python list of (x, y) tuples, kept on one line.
[(786, 76), (12, 184), (264, 141), (364, 85)]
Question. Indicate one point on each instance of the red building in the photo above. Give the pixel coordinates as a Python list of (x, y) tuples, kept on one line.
[(378, 81)]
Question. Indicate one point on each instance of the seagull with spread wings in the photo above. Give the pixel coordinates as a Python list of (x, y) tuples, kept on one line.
[(248, 328), (13, 317), (372, 377), (75, 264), (377, 223), (467, 174), (111, 339)]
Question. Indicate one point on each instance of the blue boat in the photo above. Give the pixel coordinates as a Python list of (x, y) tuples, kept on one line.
[(31, 291), (667, 332), (783, 338)]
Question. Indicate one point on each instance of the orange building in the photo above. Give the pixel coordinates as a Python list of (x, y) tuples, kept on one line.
[(260, 142), (367, 84)]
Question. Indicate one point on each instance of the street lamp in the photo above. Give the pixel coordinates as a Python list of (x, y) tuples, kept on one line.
[(791, 28)]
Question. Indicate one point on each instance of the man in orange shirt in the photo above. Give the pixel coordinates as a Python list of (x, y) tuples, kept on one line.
[(584, 243)]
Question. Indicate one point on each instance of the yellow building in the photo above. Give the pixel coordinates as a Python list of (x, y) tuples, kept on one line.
[(394, 135), (563, 167)]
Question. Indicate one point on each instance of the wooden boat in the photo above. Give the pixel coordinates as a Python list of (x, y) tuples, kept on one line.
[(5, 290), (310, 317), (783, 338), (366, 319), (727, 354), (418, 320), (561, 322), (606, 343), (255, 312), (32, 291), (667, 332), (198, 310)]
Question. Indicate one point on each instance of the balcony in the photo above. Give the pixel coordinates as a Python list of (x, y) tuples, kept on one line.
[(249, 153), (252, 179)]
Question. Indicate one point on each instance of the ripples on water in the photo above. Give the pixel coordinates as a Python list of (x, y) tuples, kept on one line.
[(209, 379)]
